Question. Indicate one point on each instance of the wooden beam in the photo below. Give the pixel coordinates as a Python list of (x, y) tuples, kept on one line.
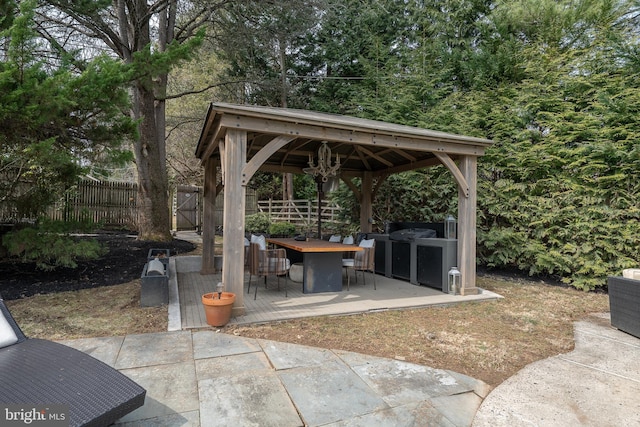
[(352, 187), (405, 155), (453, 168), (234, 209), (375, 156), (280, 169), (267, 151), (376, 188), (205, 136), (209, 217), (212, 138), (436, 143), (294, 150), (363, 159), (223, 161), (467, 226), (409, 167), (337, 121), (366, 202)]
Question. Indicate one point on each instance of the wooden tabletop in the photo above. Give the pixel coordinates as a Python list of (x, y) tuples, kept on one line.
[(313, 245)]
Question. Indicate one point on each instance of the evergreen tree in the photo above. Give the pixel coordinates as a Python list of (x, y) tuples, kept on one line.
[(56, 121)]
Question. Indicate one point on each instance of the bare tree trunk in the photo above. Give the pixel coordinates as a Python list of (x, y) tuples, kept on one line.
[(131, 27), (154, 221), (287, 186), (287, 178)]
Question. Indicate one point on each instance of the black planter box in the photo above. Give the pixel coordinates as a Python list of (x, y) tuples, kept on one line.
[(154, 290), (161, 254), (624, 303)]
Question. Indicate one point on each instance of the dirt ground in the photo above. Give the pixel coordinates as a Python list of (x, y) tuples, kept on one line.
[(490, 341), (123, 263)]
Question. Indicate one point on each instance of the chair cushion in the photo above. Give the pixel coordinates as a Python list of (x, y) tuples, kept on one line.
[(348, 240), (631, 273), (335, 238), (276, 265), (260, 240), (367, 243), (7, 334), (348, 262)]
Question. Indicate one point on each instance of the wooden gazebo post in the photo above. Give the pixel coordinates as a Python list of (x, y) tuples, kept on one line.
[(209, 217), (233, 153), (366, 202), (467, 225)]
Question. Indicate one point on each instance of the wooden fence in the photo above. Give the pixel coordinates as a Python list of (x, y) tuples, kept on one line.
[(114, 205), (302, 213)]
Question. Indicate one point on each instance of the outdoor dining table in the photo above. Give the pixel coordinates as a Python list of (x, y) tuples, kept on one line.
[(321, 261)]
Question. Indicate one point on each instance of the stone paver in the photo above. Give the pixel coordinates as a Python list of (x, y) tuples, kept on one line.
[(207, 378)]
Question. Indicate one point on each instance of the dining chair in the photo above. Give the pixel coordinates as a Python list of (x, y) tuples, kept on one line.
[(335, 238), (363, 261), (268, 263), (348, 240)]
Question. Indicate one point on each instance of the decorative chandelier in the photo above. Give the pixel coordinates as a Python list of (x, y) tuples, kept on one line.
[(324, 169)]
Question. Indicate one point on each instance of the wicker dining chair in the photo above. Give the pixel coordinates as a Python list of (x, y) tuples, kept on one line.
[(268, 263), (363, 261)]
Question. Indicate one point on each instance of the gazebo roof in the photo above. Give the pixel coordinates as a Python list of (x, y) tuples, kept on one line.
[(363, 145)]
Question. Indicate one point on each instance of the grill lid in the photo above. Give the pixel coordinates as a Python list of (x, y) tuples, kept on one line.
[(409, 234)]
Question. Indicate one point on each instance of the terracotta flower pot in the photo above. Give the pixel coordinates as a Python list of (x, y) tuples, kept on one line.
[(218, 310)]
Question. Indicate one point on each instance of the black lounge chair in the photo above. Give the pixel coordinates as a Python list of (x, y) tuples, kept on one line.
[(38, 372)]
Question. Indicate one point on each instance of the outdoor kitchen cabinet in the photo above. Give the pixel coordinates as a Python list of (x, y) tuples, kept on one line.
[(382, 255), (423, 261), (434, 258)]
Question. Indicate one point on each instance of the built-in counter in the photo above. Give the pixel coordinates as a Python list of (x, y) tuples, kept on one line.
[(422, 261)]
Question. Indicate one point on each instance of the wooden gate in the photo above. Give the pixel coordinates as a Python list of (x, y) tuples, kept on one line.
[(188, 208)]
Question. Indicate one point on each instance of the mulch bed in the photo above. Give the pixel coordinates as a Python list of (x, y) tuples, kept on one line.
[(123, 263)]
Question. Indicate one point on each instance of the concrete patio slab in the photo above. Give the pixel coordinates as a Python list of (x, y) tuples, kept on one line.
[(207, 344), (171, 389), (256, 363), (329, 392), (287, 356), (400, 383), (155, 349), (414, 415), (105, 349), (594, 385), (246, 399)]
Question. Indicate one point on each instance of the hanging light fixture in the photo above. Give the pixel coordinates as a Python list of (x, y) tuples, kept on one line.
[(321, 173), (324, 169)]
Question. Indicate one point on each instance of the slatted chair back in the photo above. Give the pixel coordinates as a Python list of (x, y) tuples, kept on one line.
[(363, 261), (267, 262)]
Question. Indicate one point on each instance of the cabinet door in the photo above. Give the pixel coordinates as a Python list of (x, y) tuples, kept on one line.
[(430, 267)]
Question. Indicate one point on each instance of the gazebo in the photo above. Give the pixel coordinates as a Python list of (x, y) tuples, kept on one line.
[(239, 140)]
